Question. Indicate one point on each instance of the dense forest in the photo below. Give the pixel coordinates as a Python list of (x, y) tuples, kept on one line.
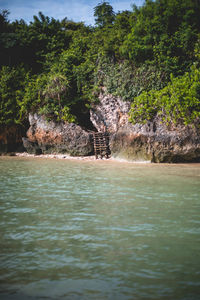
[(149, 56)]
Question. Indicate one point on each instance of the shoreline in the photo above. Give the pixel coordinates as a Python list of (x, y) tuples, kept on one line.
[(56, 156), (76, 158), (92, 158)]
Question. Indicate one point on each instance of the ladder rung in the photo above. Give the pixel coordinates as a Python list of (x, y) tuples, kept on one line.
[(101, 144)]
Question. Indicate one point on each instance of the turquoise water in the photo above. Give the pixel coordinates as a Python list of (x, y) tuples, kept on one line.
[(98, 230)]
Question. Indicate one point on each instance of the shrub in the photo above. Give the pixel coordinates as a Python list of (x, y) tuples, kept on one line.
[(127, 81), (178, 102), (12, 85)]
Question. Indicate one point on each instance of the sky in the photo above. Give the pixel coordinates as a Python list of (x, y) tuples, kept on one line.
[(76, 10)]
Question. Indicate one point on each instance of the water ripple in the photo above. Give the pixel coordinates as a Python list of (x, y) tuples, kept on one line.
[(85, 230)]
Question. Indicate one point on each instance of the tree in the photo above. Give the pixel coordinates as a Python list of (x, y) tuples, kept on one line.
[(164, 31), (104, 14), (4, 20), (12, 85), (177, 103)]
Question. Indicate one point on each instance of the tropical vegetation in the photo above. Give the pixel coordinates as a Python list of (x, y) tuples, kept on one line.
[(149, 56)]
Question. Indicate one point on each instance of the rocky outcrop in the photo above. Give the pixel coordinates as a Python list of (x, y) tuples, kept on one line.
[(51, 137), (156, 143), (11, 139), (111, 113), (153, 141)]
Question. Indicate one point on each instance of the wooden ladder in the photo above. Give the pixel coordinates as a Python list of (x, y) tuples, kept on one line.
[(101, 144)]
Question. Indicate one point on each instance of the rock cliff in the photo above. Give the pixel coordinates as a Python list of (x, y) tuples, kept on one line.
[(50, 137), (156, 143), (111, 113), (11, 139), (153, 141)]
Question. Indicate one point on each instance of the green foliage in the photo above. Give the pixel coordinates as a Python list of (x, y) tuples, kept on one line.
[(178, 102), (104, 14), (197, 50), (57, 68), (126, 80), (12, 84), (47, 94), (4, 20), (164, 32)]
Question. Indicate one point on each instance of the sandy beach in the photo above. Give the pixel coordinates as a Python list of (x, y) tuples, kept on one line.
[(57, 156), (79, 158)]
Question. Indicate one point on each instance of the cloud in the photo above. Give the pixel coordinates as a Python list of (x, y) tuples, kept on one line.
[(77, 10)]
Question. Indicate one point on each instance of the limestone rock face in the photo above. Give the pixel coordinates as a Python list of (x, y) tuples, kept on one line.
[(153, 141), (111, 113), (50, 137), (156, 143)]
